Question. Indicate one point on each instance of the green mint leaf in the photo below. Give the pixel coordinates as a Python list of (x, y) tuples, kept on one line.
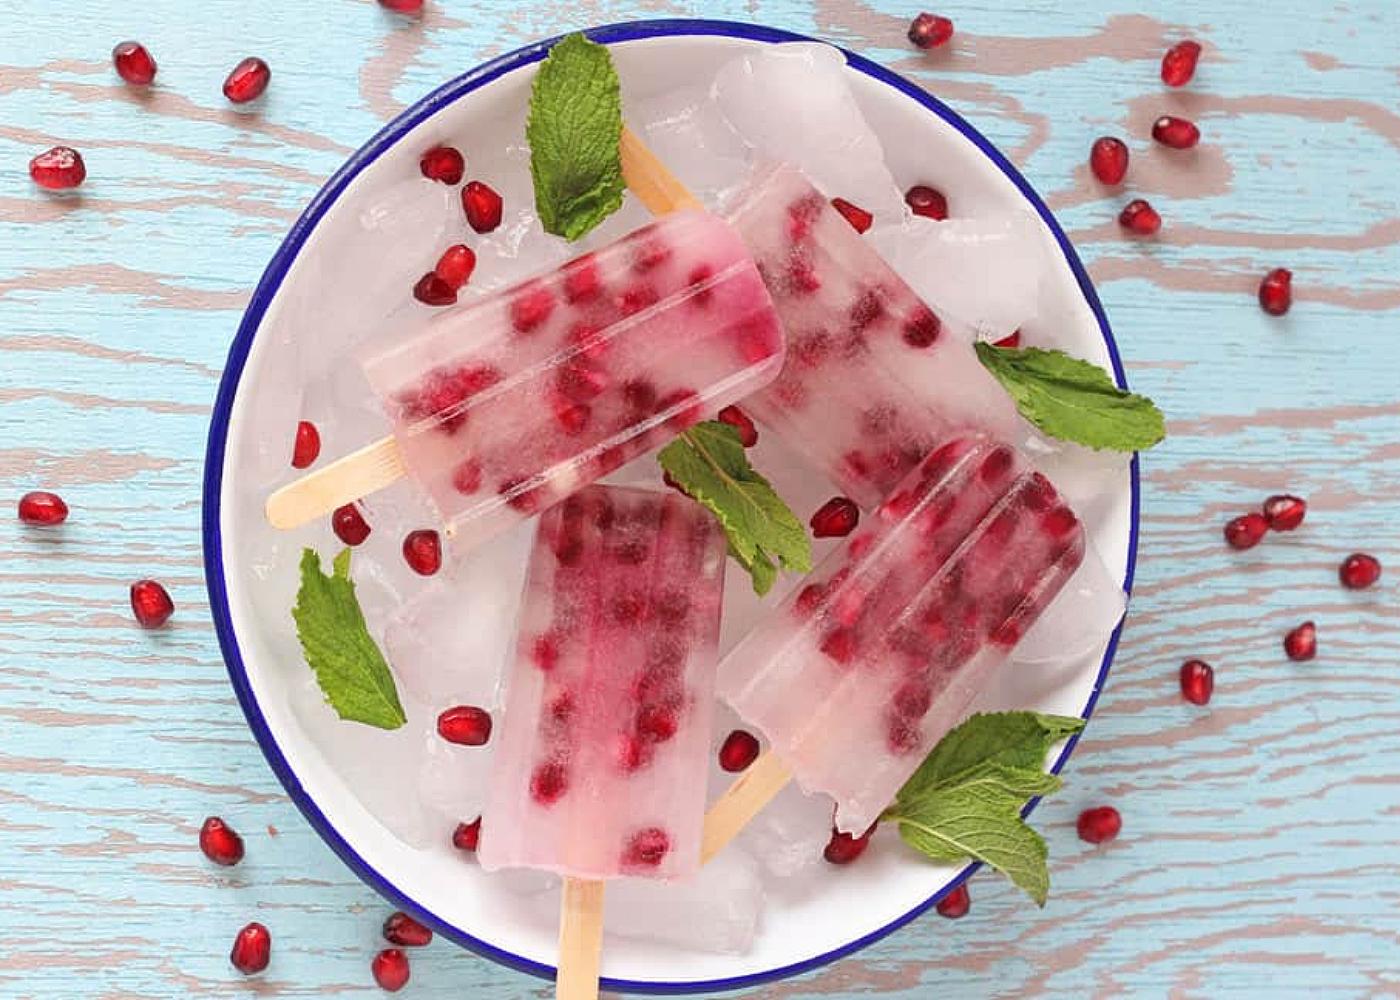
[(574, 128), (709, 463), (1074, 400), (1006, 739), (344, 657)]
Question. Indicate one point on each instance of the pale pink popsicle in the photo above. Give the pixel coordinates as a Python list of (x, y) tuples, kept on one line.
[(861, 671), (601, 767)]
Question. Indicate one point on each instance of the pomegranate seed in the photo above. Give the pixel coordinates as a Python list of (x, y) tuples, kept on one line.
[(531, 307), (926, 201), (1301, 643), (836, 518), (1197, 681), (247, 80), (1179, 63), (422, 550), (465, 725), (1139, 217), (1245, 531), (42, 509), (404, 931), (1108, 159), (928, 31), (1099, 825), (467, 836), (403, 6), (1276, 291), (955, 904), (1358, 571), (220, 843), (456, 265), (549, 783), (1177, 133), (134, 63), (922, 328), (739, 420), (843, 848), (58, 169), (349, 524), (739, 750), (1284, 512), (646, 849), (443, 163), (858, 217), (151, 604), (1011, 340), (252, 949), (306, 446), (432, 290), (482, 205), (390, 966)]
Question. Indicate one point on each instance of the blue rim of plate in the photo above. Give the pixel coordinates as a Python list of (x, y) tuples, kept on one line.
[(242, 344)]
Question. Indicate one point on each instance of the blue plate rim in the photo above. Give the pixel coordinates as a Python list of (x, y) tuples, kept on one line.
[(242, 344)]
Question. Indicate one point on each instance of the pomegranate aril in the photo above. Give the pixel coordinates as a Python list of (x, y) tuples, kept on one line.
[(836, 518), (739, 420), (1197, 681), (58, 169), (531, 307), (1176, 133), (390, 967), (928, 31), (247, 80), (1139, 217), (955, 904), (1276, 291), (220, 843), (922, 328), (465, 725), (646, 849), (443, 164), (252, 949), (134, 63), (738, 751), (404, 931), (422, 550), (349, 524), (549, 783), (42, 509), (151, 604), (858, 217), (455, 266), (467, 836), (1099, 825), (843, 848), (466, 478), (1301, 643), (403, 6), (1359, 570), (1108, 159), (926, 201), (1245, 531), (482, 206), (1284, 512), (432, 290), (307, 445), (1179, 63), (1011, 340)]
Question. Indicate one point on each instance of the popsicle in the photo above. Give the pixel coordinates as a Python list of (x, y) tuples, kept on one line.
[(864, 667), (600, 772)]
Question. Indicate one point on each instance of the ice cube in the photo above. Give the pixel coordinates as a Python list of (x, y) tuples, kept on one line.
[(717, 910), (789, 835), (452, 782), (686, 130)]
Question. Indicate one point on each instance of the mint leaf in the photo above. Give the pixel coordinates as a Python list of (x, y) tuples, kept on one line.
[(708, 462), (1005, 739), (347, 663), (574, 128), (1072, 399)]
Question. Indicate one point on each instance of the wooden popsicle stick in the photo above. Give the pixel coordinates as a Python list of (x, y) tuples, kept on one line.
[(741, 802), (580, 940), (377, 465)]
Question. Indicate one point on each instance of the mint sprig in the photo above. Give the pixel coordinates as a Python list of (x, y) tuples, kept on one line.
[(1073, 400), (965, 800), (348, 665), (574, 128), (708, 461)]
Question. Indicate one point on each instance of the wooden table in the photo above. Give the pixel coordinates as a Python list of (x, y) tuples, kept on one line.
[(1259, 851)]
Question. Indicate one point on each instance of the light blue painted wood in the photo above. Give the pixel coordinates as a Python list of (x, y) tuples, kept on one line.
[(1258, 854)]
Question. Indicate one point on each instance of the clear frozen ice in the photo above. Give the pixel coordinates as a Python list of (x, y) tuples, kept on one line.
[(715, 911), (789, 835)]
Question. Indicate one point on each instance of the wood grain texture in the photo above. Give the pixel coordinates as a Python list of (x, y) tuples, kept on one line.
[(1258, 856)]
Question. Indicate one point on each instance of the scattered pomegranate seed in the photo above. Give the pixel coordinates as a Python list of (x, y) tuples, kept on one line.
[(1108, 159), (1276, 291), (247, 80), (58, 169), (467, 836), (1197, 681), (1179, 63), (390, 966), (456, 265), (1011, 340), (220, 842), (482, 205), (134, 63), (836, 518), (1139, 217), (443, 163), (151, 604), (955, 904), (307, 445), (422, 550), (1284, 512), (252, 949), (842, 848), (1176, 133), (42, 509), (1100, 824), (1245, 531), (928, 31), (349, 524), (1301, 643), (926, 201), (465, 725), (403, 6), (404, 931), (432, 290), (1359, 570), (739, 750), (739, 420), (858, 217)]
